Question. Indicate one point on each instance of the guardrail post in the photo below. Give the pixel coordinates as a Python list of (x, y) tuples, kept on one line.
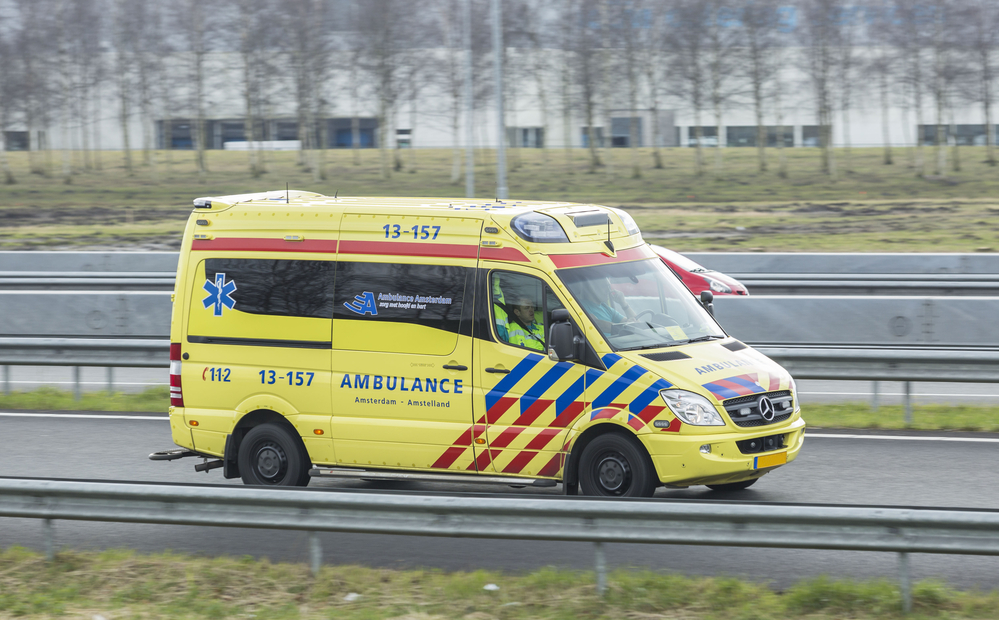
[(6, 380), (110, 380), (905, 582), (875, 386), (315, 553), (77, 394), (601, 568), (908, 403), (48, 533)]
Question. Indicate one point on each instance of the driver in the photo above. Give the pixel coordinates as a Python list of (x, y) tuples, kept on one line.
[(599, 304), (528, 331)]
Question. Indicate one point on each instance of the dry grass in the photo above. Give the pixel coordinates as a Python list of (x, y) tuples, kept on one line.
[(868, 207), (123, 584)]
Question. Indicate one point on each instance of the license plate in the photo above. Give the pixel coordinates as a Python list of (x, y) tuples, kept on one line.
[(770, 460)]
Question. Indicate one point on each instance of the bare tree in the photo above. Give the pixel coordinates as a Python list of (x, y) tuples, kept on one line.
[(569, 20), (723, 30), (383, 24), (627, 24), (585, 52), (846, 31), (537, 32), (195, 20), (6, 62), (946, 71), (882, 63), (983, 16), (760, 43), (450, 73), (686, 41), (651, 50), (819, 40), (909, 37)]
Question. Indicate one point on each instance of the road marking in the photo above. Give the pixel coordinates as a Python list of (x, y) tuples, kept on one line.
[(8, 414), (810, 435)]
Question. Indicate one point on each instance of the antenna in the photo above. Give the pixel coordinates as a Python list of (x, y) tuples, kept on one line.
[(608, 243), (335, 194), (287, 196)]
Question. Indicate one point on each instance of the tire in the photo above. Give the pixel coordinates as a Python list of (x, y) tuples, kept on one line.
[(733, 486), (613, 465), (270, 455)]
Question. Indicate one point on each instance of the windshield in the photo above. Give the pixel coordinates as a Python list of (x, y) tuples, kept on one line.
[(639, 305)]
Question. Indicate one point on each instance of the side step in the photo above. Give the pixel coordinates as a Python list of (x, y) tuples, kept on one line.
[(372, 474), (172, 455)]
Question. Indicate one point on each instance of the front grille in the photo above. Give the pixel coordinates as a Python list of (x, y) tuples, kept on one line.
[(761, 444), (745, 410)]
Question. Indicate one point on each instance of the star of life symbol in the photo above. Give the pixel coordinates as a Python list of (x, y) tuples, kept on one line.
[(219, 294)]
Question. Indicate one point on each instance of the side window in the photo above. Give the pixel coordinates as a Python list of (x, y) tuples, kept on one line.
[(521, 307), (397, 308), (248, 301), (302, 288)]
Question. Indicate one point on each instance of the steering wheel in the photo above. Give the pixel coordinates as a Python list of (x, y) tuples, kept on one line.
[(639, 315)]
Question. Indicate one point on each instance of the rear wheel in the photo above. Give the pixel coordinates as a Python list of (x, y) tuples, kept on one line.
[(613, 465), (733, 486), (270, 456)]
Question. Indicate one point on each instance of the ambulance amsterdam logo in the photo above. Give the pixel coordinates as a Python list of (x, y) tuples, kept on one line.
[(363, 304), (766, 408), (219, 294)]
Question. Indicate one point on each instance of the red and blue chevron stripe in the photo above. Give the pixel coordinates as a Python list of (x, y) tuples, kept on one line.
[(741, 385)]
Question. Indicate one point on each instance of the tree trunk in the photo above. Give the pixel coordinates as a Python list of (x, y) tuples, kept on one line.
[(885, 128), (986, 60), (698, 137)]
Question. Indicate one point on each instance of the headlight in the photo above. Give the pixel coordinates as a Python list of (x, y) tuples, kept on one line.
[(794, 396), (692, 408), (718, 286)]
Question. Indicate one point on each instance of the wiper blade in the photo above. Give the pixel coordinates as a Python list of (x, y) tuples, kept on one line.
[(650, 346), (704, 338)]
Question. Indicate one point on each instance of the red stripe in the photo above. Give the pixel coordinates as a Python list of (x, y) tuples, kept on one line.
[(402, 248), (448, 458), (674, 426), (533, 412), (650, 412), (738, 388), (774, 383), (519, 462), (499, 408), (604, 413), (506, 437), (509, 254), (636, 423), (570, 414), (552, 467), (484, 459), (580, 260), (250, 244), (543, 438)]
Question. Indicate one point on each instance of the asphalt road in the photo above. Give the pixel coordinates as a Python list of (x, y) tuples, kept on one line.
[(951, 470)]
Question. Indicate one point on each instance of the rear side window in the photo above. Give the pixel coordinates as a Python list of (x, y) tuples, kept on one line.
[(301, 288), (398, 308)]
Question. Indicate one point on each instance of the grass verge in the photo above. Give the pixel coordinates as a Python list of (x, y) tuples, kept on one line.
[(839, 415), (124, 584), (868, 207)]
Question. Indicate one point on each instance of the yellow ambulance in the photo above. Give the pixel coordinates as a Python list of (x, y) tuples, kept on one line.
[(471, 340)]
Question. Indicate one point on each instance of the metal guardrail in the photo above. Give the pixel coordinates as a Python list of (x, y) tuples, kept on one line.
[(764, 273), (885, 529)]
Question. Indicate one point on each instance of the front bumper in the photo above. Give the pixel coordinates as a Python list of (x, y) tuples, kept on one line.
[(679, 461)]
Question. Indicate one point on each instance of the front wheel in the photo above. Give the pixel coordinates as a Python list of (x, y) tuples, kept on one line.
[(270, 456), (733, 486), (613, 465)]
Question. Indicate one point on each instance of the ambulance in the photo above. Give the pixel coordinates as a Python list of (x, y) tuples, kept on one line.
[(516, 342)]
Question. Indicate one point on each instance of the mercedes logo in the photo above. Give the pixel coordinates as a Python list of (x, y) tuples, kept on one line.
[(766, 408)]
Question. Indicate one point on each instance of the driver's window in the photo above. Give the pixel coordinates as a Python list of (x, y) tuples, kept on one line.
[(518, 309)]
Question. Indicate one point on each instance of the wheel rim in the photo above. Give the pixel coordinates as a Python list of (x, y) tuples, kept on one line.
[(271, 462), (613, 474)]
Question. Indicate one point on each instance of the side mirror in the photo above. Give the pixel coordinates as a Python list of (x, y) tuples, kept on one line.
[(561, 339), (707, 297)]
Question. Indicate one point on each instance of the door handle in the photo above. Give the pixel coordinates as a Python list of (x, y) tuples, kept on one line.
[(500, 371), (454, 367)]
